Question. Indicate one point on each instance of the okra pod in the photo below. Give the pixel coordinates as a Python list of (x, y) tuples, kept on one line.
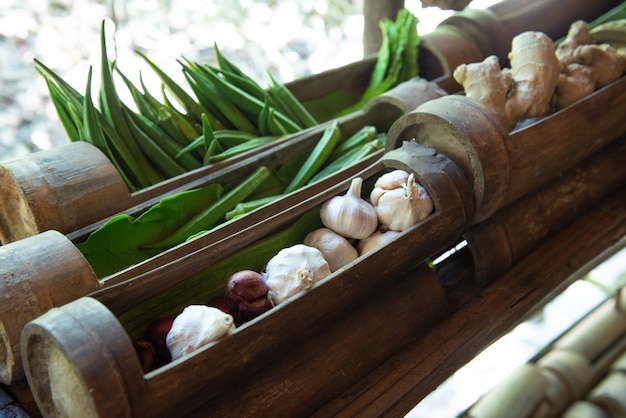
[(360, 137), (318, 157), (246, 207), (180, 94), (247, 102), (226, 107), (162, 162), (289, 103), (350, 157), (163, 141), (246, 146)]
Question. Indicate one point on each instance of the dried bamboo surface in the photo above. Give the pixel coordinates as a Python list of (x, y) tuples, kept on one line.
[(401, 382)]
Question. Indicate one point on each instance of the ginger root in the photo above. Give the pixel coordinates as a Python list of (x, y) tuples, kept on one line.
[(542, 78), (485, 82), (535, 68), (578, 34), (587, 66), (521, 92)]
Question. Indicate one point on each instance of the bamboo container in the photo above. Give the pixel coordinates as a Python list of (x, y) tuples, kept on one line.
[(572, 371), (505, 166), (78, 177), (396, 386), (466, 37), (44, 285), (596, 332), (610, 394), (573, 368), (514, 231), (52, 344)]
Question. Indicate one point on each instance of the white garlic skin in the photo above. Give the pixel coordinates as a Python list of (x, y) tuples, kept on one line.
[(336, 249), (392, 180), (350, 215), (293, 270), (377, 239), (401, 207), (196, 326)]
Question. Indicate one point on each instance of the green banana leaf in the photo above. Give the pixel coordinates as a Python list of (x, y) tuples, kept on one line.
[(119, 242)]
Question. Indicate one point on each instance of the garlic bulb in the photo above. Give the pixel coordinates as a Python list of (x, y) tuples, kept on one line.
[(392, 180), (196, 326), (335, 248), (375, 240), (350, 215), (293, 270), (398, 208)]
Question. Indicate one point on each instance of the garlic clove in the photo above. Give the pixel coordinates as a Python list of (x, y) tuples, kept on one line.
[(350, 215), (293, 270), (392, 180), (197, 326), (336, 249), (400, 208), (377, 239)]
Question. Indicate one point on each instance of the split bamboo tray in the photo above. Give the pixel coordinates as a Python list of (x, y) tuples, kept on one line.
[(26, 271), (73, 186), (458, 152)]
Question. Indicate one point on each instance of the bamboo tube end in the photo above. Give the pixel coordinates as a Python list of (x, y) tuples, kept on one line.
[(63, 367), (469, 134), (406, 96), (63, 188), (17, 221), (32, 280)]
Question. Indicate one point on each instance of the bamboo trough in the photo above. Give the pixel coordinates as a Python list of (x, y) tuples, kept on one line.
[(26, 271), (463, 198), (71, 187)]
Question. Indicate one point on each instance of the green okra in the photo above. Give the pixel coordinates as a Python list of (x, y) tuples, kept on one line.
[(233, 116), (290, 104), (112, 110), (352, 156), (246, 146), (62, 107), (93, 130), (318, 157), (246, 207), (162, 162), (247, 102), (181, 95), (360, 137), (164, 142), (226, 137), (212, 149)]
